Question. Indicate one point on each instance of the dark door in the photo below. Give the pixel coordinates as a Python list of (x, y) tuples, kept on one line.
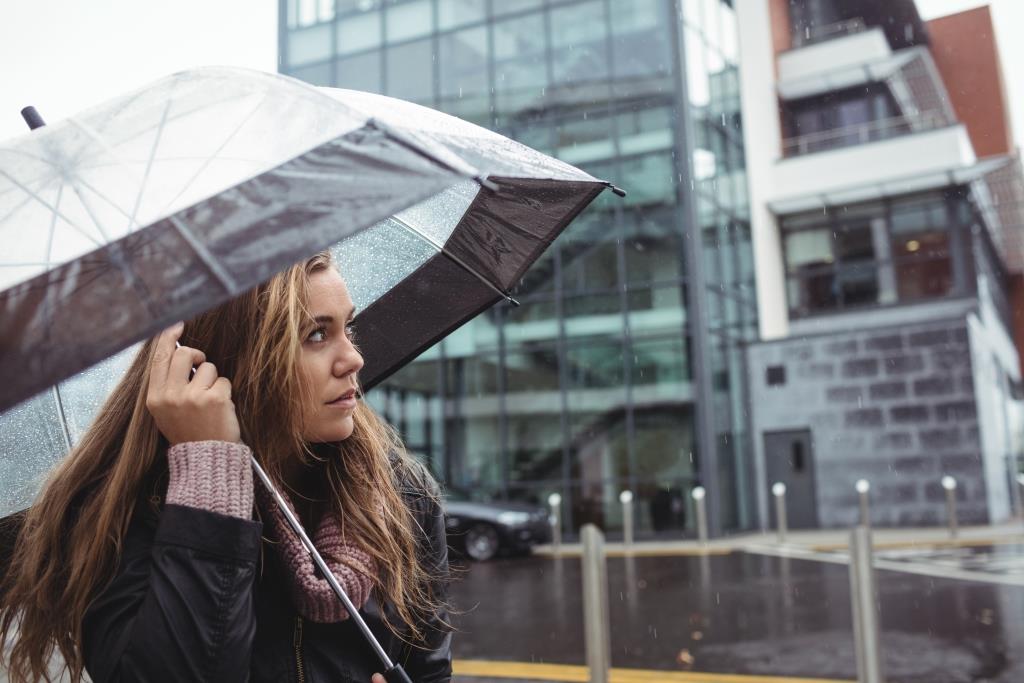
[(789, 458)]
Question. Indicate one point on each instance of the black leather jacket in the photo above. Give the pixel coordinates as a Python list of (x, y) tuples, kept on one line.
[(196, 598)]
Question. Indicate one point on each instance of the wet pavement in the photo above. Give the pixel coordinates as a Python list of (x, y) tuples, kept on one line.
[(745, 613)]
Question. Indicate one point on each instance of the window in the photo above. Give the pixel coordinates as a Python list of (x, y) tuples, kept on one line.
[(359, 32), (409, 20), (579, 44), (840, 119), (871, 253)]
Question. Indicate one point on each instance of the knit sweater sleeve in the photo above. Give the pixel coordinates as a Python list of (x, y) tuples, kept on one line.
[(211, 475)]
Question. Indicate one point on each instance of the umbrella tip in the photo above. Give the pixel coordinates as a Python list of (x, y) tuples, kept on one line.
[(619, 192), (32, 118)]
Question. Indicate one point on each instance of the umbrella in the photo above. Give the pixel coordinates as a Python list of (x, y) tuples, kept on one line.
[(162, 203)]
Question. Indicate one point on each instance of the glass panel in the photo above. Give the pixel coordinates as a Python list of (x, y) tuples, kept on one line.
[(520, 69), (463, 63), (660, 362), (651, 179), (589, 250), (578, 42), (500, 7), (455, 13), (534, 408), (345, 6), (652, 246), (807, 249), (858, 285), (640, 38), (316, 74), (586, 139), (593, 363), (309, 45), (652, 308), (359, 32), (360, 72), (410, 71), (409, 20), (922, 279), (813, 292), (534, 445)]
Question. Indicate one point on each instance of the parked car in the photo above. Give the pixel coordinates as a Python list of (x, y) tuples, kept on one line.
[(482, 530)]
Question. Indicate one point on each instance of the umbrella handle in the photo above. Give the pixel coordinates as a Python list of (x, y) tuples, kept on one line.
[(396, 674)]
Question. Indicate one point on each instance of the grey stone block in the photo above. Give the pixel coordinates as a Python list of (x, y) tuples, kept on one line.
[(798, 352), (886, 343), (928, 338), (934, 386), (866, 417), (966, 383), (960, 336), (903, 365), (950, 360), (961, 463), (916, 464), (815, 371), (862, 367), (934, 493), (844, 394), (909, 413), (893, 441), (884, 390), (957, 411), (937, 439), (842, 347), (897, 493)]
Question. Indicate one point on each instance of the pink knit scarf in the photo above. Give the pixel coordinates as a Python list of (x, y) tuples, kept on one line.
[(312, 595)]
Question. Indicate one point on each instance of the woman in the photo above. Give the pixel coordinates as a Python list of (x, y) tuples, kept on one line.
[(151, 556)]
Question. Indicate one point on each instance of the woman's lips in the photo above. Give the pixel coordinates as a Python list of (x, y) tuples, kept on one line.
[(348, 402)]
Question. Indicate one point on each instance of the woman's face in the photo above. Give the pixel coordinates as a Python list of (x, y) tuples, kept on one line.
[(329, 361)]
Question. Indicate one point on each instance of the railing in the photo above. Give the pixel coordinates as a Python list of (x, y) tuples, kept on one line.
[(871, 131), (819, 34)]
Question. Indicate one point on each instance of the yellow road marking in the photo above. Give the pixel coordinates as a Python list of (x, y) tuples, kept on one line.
[(574, 674), (924, 544)]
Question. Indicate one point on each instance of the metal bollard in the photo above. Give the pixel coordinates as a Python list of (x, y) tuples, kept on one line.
[(864, 602), (626, 498), (863, 486), (949, 483), (596, 631), (779, 491), (698, 494), (1020, 483), (555, 519)]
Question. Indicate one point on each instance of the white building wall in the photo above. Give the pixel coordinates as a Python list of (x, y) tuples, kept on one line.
[(762, 137)]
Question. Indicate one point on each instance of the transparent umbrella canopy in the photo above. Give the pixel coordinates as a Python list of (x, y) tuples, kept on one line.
[(165, 202)]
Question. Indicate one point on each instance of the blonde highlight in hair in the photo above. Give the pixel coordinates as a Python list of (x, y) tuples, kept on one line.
[(70, 544)]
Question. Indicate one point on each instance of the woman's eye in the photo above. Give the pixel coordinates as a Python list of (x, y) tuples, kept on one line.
[(318, 335)]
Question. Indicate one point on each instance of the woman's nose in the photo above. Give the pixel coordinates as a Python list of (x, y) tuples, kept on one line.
[(348, 361)]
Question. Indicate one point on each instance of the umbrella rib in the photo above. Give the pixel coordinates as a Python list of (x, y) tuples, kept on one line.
[(149, 163), (459, 262), (42, 201), (205, 255), (53, 225), (66, 431), (210, 159)]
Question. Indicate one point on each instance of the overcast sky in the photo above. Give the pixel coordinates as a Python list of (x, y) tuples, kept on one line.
[(65, 55)]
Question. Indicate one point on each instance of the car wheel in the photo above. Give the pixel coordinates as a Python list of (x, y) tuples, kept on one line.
[(482, 542)]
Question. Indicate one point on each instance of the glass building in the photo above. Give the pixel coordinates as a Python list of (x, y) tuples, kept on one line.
[(622, 368)]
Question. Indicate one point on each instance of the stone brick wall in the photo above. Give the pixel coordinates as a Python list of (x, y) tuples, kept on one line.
[(894, 405)]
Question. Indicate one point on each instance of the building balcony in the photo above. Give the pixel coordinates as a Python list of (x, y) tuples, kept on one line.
[(907, 162), (839, 63), (869, 131)]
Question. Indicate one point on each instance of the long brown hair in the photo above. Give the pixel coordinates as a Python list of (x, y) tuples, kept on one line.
[(70, 544)]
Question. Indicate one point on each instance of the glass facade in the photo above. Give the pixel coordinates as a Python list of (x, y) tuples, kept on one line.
[(622, 367)]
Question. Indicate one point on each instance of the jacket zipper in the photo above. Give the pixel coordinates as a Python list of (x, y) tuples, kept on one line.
[(297, 641)]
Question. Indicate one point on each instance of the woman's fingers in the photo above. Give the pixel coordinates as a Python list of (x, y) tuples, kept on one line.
[(182, 361), (161, 360), (206, 375)]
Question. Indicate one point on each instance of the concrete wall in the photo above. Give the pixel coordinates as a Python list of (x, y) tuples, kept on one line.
[(895, 405)]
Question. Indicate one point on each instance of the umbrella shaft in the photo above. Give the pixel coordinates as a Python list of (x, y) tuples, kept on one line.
[(321, 565)]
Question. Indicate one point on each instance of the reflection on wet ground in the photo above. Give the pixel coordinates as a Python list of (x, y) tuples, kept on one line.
[(742, 613), (997, 560)]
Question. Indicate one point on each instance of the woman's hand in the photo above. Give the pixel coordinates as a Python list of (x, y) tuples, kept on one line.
[(378, 678), (184, 410)]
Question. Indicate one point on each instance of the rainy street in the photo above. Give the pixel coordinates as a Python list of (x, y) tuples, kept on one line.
[(744, 613)]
